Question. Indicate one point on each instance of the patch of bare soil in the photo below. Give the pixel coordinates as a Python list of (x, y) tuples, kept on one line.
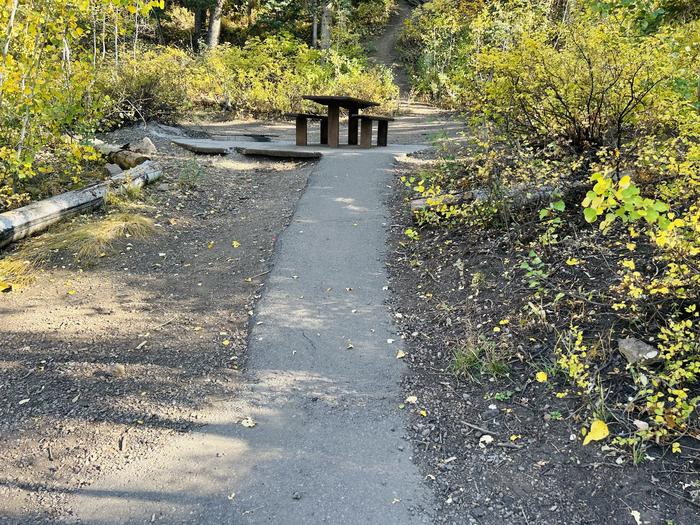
[(101, 362), (500, 447)]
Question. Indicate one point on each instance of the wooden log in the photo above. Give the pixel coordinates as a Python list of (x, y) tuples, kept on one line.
[(518, 197), (38, 216), (126, 159), (123, 158)]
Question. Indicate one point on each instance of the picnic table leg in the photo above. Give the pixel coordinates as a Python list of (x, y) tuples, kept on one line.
[(383, 133), (333, 125), (352, 127), (302, 131), (324, 131), (366, 133)]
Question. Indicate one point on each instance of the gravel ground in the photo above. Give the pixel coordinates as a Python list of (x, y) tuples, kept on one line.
[(99, 364)]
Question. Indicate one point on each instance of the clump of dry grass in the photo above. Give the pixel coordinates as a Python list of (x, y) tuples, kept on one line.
[(95, 239), (86, 238), (15, 273)]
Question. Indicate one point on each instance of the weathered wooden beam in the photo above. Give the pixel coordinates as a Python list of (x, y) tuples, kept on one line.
[(279, 152), (36, 217)]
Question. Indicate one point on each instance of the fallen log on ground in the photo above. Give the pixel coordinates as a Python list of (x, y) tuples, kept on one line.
[(120, 155), (518, 198), (38, 216)]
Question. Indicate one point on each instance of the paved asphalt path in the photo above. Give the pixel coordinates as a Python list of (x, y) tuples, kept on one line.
[(322, 387)]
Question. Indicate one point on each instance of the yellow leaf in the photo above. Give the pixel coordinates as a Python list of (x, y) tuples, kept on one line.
[(71, 292), (210, 245), (573, 261), (235, 244), (599, 430), (400, 354), (541, 377), (676, 448), (424, 413), (226, 342)]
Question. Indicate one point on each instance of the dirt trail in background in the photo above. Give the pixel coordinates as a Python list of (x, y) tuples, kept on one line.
[(385, 51)]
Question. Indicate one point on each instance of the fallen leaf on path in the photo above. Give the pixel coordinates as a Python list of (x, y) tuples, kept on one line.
[(485, 440), (412, 399), (599, 430), (637, 516), (235, 244), (248, 422), (400, 354)]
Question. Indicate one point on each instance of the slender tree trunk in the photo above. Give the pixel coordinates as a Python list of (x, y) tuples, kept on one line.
[(104, 33), (314, 26), (6, 44), (326, 21), (94, 39), (159, 26), (116, 39), (136, 32), (215, 24), (251, 5), (200, 15)]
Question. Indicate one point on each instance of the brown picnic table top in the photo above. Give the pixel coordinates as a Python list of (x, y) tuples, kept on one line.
[(341, 101), (334, 103)]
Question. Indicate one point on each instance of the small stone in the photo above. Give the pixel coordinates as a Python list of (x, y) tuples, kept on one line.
[(144, 146), (636, 351), (296, 495), (113, 169)]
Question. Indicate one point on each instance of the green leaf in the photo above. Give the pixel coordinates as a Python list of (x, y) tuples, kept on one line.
[(559, 205), (590, 214)]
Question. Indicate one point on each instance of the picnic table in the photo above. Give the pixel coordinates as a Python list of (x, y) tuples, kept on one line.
[(334, 103)]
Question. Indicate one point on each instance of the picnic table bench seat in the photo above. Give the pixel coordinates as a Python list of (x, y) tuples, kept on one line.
[(366, 123), (302, 127)]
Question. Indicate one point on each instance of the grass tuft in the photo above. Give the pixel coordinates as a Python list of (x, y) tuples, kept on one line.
[(15, 273), (478, 356), (96, 238)]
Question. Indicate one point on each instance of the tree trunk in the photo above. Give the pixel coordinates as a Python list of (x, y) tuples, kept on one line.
[(200, 15), (215, 24), (326, 21), (561, 10), (314, 28)]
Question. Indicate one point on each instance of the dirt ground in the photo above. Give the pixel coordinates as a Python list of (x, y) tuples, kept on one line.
[(100, 363), (535, 469)]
